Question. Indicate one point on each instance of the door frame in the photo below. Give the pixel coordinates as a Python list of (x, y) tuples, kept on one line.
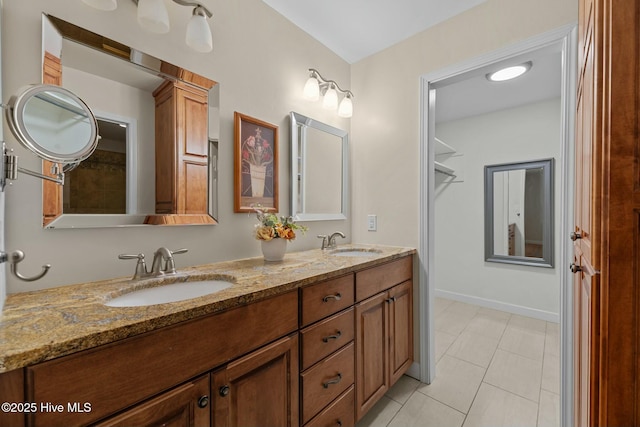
[(566, 37)]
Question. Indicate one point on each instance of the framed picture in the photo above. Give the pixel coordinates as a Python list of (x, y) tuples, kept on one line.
[(256, 164)]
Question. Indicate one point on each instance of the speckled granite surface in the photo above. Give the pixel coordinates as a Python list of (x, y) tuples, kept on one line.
[(42, 325)]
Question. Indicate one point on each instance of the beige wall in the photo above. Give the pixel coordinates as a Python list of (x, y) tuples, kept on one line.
[(386, 123), (261, 62)]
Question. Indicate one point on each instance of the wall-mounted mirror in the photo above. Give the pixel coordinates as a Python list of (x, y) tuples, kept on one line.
[(519, 213), (145, 108), (54, 124), (319, 170)]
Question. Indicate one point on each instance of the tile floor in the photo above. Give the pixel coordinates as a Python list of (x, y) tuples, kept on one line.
[(493, 369)]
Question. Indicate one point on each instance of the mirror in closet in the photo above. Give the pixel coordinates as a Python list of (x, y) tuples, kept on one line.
[(519, 213), (158, 122), (319, 170)]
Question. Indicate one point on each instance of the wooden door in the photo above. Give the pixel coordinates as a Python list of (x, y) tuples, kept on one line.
[(260, 389), (607, 215), (184, 406), (400, 330), (372, 348)]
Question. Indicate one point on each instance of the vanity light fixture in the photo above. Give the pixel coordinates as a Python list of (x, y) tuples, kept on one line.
[(509, 73), (153, 16), (316, 84)]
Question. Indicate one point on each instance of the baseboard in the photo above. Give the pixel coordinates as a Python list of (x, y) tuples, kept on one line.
[(499, 305)]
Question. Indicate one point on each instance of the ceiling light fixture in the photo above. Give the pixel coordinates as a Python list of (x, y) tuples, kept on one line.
[(153, 16), (509, 73), (317, 84)]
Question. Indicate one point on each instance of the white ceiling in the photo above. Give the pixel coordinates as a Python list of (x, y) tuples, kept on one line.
[(355, 29)]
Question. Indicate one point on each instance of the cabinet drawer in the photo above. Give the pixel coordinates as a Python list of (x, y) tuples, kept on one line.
[(325, 337), (325, 298), (325, 381), (377, 279), (338, 413)]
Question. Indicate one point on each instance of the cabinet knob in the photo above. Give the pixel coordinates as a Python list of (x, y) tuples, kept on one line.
[(203, 401), (575, 236), (224, 391), (336, 297), (575, 268)]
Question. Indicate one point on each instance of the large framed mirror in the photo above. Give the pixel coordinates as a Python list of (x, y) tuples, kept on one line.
[(159, 129), (518, 209), (319, 170)]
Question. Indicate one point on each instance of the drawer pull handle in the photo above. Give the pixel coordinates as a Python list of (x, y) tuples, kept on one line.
[(333, 381), (336, 297), (332, 337)]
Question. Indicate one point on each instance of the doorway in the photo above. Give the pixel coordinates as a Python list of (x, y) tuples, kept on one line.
[(564, 40)]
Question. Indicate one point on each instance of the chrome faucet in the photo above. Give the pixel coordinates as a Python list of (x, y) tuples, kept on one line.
[(329, 242), (162, 254), (332, 238)]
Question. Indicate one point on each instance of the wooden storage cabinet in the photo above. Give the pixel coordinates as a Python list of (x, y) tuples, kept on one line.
[(184, 406), (384, 330), (182, 153), (260, 389), (319, 356)]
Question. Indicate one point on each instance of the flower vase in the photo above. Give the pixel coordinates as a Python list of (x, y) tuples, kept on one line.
[(258, 174), (274, 249)]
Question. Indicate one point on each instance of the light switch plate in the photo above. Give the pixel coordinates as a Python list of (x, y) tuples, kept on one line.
[(372, 222)]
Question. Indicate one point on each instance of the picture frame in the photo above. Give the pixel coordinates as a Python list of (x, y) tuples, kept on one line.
[(255, 164)]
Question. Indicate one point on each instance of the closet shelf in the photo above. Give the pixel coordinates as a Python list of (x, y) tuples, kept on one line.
[(442, 168), (443, 148)]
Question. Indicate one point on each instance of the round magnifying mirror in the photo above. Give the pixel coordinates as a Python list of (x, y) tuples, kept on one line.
[(53, 123)]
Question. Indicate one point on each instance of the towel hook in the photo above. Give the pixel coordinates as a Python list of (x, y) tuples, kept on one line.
[(14, 258)]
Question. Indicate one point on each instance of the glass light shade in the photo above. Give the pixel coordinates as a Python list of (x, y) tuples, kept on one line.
[(346, 107), (509, 73), (311, 89), (107, 5), (330, 100), (153, 16), (199, 34)]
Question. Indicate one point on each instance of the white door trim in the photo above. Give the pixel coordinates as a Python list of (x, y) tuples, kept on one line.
[(566, 36)]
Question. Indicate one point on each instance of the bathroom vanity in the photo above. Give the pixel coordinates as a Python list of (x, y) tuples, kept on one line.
[(313, 341)]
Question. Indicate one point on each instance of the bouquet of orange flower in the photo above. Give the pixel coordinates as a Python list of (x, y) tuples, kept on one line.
[(272, 226)]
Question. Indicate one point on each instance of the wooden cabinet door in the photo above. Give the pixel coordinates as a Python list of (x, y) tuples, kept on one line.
[(260, 389), (400, 330), (372, 349), (184, 406)]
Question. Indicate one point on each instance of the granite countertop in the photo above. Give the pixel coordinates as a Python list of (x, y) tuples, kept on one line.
[(42, 325)]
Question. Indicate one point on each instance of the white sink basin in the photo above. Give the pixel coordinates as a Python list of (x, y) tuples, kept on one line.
[(169, 293), (355, 252)]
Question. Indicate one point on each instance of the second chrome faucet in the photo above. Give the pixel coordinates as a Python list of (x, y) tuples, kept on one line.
[(329, 242), (160, 256)]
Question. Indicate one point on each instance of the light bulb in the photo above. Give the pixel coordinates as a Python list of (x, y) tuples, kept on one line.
[(107, 5), (346, 107), (311, 89), (330, 100), (153, 16), (198, 32)]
